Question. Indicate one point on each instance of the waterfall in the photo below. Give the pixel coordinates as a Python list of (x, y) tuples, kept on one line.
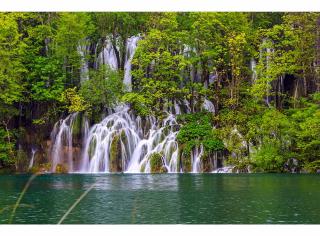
[(253, 65), (108, 55), (130, 50), (122, 141), (123, 131), (61, 137), (84, 69), (161, 138), (196, 155), (33, 152), (208, 105), (226, 169)]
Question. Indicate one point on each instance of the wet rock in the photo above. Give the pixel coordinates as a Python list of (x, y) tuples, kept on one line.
[(292, 165), (115, 164), (156, 164)]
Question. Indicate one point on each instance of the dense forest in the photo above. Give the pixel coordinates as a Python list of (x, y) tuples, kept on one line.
[(243, 86)]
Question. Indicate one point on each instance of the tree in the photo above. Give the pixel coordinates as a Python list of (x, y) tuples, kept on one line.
[(12, 51), (73, 30), (103, 90)]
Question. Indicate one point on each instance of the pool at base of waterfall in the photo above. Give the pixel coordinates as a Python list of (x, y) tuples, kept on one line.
[(163, 199)]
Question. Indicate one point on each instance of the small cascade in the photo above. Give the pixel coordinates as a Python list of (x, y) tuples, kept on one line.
[(225, 169), (253, 65), (209, 106), (102, 137), (122, 141), (196, 155), (108, 55), (61, 137), (162, 139), (33, 152), (84, 69), (177, 109), (130, 50)]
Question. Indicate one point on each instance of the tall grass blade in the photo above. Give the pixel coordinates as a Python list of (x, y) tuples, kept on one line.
[(21, 196), (76, 203)]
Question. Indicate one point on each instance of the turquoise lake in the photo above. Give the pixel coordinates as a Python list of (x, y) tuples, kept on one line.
[(163, 199)]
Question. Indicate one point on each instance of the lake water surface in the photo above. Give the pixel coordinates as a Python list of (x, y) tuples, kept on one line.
[(163, 199)]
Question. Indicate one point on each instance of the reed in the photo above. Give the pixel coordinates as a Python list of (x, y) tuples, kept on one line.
[(21, 196), (76, 203)]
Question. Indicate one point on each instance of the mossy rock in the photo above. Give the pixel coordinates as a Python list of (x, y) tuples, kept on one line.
[(143, 167), (206, 162), (115, 164), (22, 160), (92, 147), (163, 169), (61, 169), (156, 162), (185, 159), (42, 168), (124, 139)]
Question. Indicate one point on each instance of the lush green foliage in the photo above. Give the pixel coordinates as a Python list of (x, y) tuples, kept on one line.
[(103, 90), (196, 129), (156, 163), (260, 70)]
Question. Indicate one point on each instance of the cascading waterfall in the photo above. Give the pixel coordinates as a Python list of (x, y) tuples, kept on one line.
[(123, 131), (108, 55), (122, 142), (130, 50), (161, 138)]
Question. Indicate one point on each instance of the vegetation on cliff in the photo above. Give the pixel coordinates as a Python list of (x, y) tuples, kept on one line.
[(260, 70)]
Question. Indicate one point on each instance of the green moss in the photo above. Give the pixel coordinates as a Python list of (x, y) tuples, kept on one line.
[(42, 168), (76, 126), (22, 160), (185, 158), (156, 163), (241, 165), (92, 147), (123, 138), (197, 129), (61, 169), (143, 167), (312, 167), (115, 164)]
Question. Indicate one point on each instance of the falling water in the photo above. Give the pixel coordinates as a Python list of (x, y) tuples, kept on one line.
[(196, 155), (61, 137), (33, 152), (122, 141), (208, 105), (84, 69), (161, 138), (108, 55), (225, 169), (131, 48), (122, 130), (253, 65)]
